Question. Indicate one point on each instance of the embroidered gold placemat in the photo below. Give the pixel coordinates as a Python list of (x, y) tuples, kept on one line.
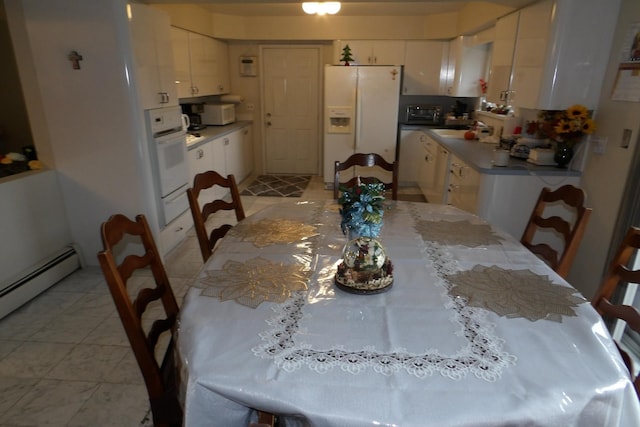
[(457, 233), (254, 281), (514, 293), (274, 231)]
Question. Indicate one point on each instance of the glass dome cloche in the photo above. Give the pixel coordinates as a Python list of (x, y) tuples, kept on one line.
[(365, 267)]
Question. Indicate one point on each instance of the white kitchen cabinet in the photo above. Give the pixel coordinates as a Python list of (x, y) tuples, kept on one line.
[(175, 232), (372, 52), (530, 55), (151, 40), (426, 166), (433, 169), (410, 156), (221, 78), (443, 158), (201, 64), (468, 63), (180, 50), (425, 67), (504, 43), (219, 165), (233, 154), (561, 48), (201, 159), (464, 185)]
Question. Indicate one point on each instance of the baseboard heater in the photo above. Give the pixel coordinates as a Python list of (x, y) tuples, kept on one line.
[(41, 276)]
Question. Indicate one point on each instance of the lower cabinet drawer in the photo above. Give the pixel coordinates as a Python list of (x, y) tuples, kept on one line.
[(175, 232)]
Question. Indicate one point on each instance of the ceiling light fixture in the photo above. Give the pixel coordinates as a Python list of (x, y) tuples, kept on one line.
[(321, 8)]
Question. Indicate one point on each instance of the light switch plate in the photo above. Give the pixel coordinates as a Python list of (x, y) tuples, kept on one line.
[(599, 144)]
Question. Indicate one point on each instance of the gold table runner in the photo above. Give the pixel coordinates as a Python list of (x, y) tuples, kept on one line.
[(254, 281), (273, 232), (514, 293), (457, 233)]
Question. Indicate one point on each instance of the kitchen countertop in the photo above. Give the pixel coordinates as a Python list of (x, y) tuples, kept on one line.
[(212, 132), (479, 155)]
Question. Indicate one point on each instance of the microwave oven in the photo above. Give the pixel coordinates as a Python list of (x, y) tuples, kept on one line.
[(218, 114)]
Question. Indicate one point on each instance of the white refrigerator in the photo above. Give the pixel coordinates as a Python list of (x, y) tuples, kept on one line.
[(360, 114)]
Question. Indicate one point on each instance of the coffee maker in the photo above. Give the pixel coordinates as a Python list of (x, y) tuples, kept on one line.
[(194, 111)]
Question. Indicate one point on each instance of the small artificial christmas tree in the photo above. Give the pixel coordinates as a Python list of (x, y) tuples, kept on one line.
[(346, 55)]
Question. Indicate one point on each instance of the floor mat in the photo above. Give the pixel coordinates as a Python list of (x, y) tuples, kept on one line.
[(278, 186)]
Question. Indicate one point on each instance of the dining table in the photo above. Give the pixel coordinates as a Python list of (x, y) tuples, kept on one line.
[(473, 330)]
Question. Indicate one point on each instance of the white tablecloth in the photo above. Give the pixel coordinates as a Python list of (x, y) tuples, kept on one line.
[(442, 347)]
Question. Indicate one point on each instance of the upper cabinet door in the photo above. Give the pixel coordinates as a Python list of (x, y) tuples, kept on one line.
[(150, 33), (471, 64), (425, 67), (372, 52), (222, 82), (180, 48), (202, 64), (388, 52), (530, 55), (504, 43), (561, 55)]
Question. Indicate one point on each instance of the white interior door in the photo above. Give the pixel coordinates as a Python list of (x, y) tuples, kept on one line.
[(291, 84)]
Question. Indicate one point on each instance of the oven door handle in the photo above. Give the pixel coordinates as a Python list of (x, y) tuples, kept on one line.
[(168, 133)]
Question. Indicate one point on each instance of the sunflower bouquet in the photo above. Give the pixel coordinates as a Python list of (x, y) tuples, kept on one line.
[(564, 127)]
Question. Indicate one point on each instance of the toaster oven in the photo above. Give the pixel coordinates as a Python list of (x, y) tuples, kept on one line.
[(218, 114), (422, 114)]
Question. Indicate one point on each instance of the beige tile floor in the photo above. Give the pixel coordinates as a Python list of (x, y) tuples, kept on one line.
[(64, 357)]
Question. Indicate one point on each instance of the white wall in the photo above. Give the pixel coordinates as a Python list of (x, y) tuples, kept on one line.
[(94, 126), (605, 175)]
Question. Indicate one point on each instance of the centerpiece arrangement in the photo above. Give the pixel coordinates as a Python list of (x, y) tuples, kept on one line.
[(565, 129), (365, 268), (362, 209)]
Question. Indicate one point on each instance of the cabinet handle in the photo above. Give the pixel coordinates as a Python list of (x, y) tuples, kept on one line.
[(179, 229), (246, 132), (199, 153), (226, 141)]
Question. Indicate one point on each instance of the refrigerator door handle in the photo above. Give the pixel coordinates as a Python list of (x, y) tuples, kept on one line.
[(358, 119)]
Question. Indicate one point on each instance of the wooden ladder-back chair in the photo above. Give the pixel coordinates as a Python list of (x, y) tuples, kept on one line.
[(571, 229), (366, 160), (619, 274), (161, 379), (203, 181)]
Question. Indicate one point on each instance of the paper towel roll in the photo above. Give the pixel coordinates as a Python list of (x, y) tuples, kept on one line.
[(232, 99)]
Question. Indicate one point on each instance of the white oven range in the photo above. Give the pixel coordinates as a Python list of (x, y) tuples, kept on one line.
[(168, 146)]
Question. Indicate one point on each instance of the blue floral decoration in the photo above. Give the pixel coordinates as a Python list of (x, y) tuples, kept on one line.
[(362, 209)]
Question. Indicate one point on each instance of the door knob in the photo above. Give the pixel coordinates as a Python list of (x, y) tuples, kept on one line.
[(268, 123)]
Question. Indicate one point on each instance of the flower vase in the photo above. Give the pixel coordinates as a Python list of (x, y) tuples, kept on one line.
[(563, 154)]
